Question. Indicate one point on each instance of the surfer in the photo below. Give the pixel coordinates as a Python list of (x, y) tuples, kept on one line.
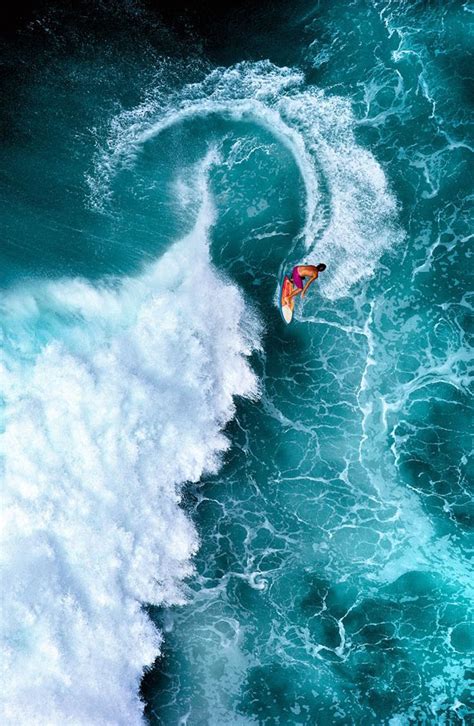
[(297, 278)]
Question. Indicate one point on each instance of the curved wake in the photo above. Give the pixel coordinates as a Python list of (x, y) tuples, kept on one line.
[(350, 212)]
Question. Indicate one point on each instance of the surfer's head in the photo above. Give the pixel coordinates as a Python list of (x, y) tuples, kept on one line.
[(321, 267)]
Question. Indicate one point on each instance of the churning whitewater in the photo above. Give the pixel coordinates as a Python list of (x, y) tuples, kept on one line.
[(121, 397)]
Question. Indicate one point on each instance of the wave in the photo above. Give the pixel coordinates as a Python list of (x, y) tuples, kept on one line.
[(122, 398), (113, 399)]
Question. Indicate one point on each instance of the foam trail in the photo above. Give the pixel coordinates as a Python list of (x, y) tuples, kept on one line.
[(119, 400), (350, 212)]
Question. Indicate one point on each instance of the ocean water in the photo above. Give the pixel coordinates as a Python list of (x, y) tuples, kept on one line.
[(210, 517)]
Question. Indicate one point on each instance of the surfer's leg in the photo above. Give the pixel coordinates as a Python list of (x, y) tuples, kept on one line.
[(296, 291), (288, 298)]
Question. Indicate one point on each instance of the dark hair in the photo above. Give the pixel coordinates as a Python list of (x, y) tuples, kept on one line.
[(321, 266)]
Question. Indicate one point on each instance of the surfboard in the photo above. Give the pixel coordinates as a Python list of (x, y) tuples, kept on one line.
[(287, 309)]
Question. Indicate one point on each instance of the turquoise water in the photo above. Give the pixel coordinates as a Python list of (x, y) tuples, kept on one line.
[(310, 564)]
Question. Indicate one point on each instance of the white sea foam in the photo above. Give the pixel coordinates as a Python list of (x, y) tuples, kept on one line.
[(114, 398), (350, 212)]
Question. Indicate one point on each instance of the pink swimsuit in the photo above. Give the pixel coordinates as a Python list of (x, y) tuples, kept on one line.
[(295, 276)]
